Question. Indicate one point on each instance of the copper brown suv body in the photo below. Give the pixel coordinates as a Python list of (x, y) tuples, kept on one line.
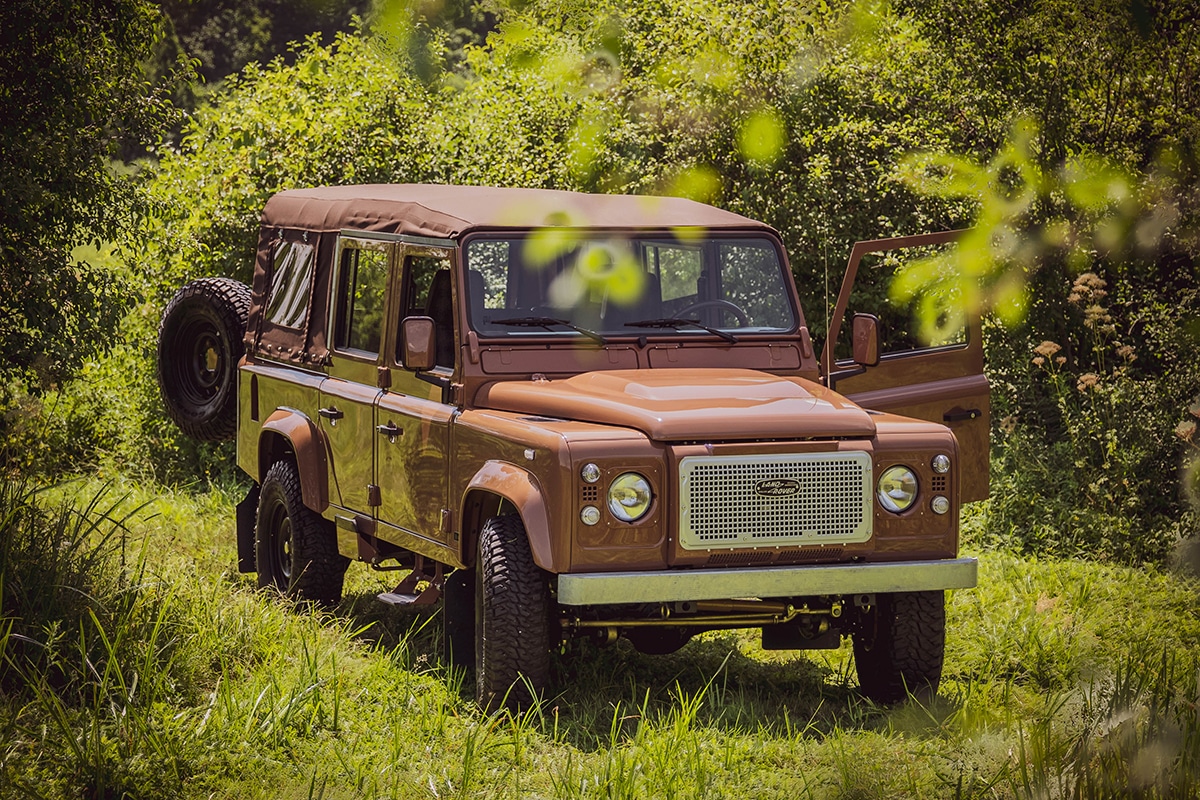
[(570, 415)]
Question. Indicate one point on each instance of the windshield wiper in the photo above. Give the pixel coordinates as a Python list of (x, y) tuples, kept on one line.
[(679, 322), (546, 322)]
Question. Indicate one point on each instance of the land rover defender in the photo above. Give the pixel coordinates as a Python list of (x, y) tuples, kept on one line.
[(568, 415)]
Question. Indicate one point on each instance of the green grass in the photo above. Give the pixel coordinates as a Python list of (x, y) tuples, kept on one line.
[(1063, 679)]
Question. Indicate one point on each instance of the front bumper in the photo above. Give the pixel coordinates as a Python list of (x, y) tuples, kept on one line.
[(665, 586)]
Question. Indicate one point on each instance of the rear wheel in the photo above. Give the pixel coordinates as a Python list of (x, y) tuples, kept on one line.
[(295, 548), (899, 648), (512, 618), (199, 346)]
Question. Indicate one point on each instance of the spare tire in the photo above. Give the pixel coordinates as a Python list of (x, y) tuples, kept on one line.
[(200, 343)]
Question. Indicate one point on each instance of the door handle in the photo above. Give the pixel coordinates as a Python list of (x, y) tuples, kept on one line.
[(960, 415), (390, 430), (331, 413)]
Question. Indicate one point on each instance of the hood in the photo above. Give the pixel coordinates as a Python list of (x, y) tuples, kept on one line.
[(689, 404)]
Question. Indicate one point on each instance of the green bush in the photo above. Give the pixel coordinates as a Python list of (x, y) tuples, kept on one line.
[(622, 99), (1088, 456), (801, 119)]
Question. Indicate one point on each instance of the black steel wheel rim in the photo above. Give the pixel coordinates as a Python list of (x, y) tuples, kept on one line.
[(200, 371), (281, 541)]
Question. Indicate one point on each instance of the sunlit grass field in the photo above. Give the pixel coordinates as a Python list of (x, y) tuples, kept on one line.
[(178, 678)]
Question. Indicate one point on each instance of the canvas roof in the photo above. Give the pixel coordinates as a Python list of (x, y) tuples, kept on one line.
[(448, 211)]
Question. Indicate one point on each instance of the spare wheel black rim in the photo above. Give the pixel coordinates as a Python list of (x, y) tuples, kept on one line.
[(201, 370)]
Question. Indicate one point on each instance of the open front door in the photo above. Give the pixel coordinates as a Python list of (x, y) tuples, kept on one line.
[(943, 383)]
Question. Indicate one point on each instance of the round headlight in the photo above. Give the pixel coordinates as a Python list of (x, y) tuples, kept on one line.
[(897, 489), (941, 464), (629, 497), (590, 473)]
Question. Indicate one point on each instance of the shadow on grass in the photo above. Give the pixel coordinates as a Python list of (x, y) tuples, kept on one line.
[(594, 688)]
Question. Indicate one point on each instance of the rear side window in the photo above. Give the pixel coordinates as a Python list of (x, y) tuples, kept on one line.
[(291, 281), (362, 285)]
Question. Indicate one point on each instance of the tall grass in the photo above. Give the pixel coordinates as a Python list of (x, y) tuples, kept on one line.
[(88, 648), (161, 672)]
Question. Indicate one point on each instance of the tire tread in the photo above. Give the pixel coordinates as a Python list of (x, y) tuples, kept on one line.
[(515, 649), (229, 302), (904, 654), (318, 569)]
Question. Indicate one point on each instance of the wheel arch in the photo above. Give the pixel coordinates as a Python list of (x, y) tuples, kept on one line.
[(496, 487), (287, 433)]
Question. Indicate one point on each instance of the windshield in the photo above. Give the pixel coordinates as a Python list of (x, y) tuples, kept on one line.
[(561, 281)]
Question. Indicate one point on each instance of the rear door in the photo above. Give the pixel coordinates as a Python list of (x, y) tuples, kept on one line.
[(943, 383), (348, 395)]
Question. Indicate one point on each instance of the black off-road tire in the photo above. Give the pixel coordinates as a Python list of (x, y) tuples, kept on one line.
[(200, 341), (899, 648), (512, 618), (295, 549)]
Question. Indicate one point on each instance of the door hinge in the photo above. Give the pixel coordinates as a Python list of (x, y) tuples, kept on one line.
[(374, 496)]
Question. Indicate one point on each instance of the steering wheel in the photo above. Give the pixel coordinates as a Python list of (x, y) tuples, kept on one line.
[(733, 308)]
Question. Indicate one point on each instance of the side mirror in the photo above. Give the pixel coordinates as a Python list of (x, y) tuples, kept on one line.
[(864, 334), (419, 339)]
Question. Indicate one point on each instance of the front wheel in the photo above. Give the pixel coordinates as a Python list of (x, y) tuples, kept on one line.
[(512, 622), (899, 648), (295, 548)]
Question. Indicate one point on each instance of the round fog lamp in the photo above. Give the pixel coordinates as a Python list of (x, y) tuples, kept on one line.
[(629, 497), (590, 515), (941, 464), (897, 489), (590, 473), (940, 505)]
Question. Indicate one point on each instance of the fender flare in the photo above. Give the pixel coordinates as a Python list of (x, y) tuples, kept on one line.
[(519, 487), (308, 445)]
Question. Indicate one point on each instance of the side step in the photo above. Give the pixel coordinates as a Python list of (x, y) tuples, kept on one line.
[(407, 594)]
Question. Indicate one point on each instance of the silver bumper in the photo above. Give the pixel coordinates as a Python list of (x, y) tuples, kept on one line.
[(664, 586)]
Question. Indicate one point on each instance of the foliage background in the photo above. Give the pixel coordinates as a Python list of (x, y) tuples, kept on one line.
[(137, 663), (803, 117)]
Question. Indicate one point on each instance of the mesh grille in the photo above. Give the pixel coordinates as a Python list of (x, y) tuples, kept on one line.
[(749, 501)]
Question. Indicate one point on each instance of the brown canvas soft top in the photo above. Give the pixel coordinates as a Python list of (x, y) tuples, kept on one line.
[(315, 217), (449, 211)]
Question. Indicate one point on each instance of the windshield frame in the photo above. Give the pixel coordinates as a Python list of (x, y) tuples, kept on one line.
[(706, 243)]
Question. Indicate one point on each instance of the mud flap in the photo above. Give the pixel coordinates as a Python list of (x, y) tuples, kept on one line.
[(458, 618), (247, 510)]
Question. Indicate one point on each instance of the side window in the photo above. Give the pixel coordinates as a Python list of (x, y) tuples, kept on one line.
[(361, 291), (899, 323), (428, 292), (419, 274), (291, 279)]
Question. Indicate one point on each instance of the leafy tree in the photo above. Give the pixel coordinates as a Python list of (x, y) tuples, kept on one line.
[(72, 91), (801, 116), (225, 35), (1087, 234)]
